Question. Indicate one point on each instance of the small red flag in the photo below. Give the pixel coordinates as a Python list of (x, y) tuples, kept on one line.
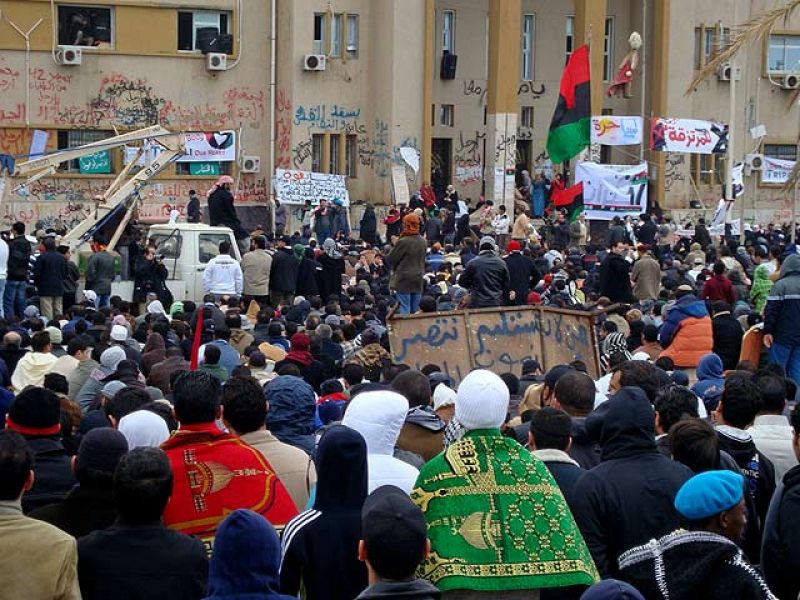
[(198, 332)]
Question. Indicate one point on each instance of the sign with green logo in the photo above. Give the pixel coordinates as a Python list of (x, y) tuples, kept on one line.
[(204, 168)]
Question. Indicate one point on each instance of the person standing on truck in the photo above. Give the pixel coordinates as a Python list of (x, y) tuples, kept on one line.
[(100, 272), (150, 276), (193, 214), (223, 275), (222, 212)]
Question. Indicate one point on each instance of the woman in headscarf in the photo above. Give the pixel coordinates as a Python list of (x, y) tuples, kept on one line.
[(157, 308), (143, 428), (320, 546), (300, 354), (246, 559), (222, 212), (762, 284), (109, 360), (155, 350), (407, 260), (329, 279)]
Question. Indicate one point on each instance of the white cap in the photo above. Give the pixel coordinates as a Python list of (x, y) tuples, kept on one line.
[(91, 296), (119, 333), (482, 401), (443, 396)]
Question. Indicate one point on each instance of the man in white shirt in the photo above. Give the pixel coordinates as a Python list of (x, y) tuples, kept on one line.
[(223, 275), (771, 430), (502, 227)]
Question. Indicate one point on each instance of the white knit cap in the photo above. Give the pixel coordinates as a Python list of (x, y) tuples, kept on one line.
[(443, 396), (119, 333), (482, 401)]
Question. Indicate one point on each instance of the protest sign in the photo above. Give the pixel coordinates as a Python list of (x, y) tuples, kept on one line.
[(497, 339), (776, 171), (688, 135), (613, 190), (215, 146), (616, 131), (295, 187), (400, 185)]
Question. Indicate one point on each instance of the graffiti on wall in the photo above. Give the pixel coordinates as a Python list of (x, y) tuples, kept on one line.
[(283, 130), (528, 90), (674, 171), (468, 158)]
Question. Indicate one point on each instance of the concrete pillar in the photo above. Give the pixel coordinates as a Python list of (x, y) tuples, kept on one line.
[(590, 24), (427, 91), (502, 107), (657, 85)]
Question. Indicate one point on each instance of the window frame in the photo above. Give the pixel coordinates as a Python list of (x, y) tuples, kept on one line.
[(528, 47), (569, 37), (193, 12), (351, 156), (205, 236), (768, 50), (72, 167), (335, 50), (525, 121), (350, 19), (334, 153), (447, 115), (317, 151), (112, 43), (318, 45), (449, 32), (608, 49), (775, 143)]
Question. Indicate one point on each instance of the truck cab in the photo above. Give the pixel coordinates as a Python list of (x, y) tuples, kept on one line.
[(185, 249)]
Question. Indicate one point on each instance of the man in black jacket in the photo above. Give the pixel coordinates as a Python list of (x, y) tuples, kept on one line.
[(574, 394), (487, 278), (283, 276), (19, 255), (90, 505), (780, 553), (549, 440), (49, 275), (646, 232), (615, 280), (728, 334), (522, 272), (221, 211), (138, 557), (627, 499)]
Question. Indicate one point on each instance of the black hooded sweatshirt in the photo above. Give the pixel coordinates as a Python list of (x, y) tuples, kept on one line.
[(780, 556), (627, 499), (320, 546)]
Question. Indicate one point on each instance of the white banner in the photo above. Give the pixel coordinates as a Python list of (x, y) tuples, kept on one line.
[(688, 135), (295, 187), (776, 170), (613, 190), (738, 180), (616, 131), (214, 146)]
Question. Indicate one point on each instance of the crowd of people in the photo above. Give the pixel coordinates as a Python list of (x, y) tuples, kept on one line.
[(263, 443)]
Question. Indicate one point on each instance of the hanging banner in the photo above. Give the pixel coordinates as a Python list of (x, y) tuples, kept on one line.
[(717, 225), (295, 187), (776, 171), (215, 146), (738, 180), (688, 135), (97, 163), (613, 190), (616, 131)]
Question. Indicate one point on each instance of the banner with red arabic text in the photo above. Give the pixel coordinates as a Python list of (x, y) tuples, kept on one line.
[(690, 136)]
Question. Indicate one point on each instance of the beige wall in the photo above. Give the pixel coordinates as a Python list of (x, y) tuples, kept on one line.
[(115, 89)]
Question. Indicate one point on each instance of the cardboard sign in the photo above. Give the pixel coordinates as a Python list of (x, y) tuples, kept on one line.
[(295, 187), (400, 185), (498, 339)]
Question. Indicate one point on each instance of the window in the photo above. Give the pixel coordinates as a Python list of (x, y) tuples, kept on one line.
[(317, 142), (208, 245), (197, 28), (350, 155), (85, 26), (446, 115), (319, 34), (784, 54), (526, 117), (167, 244), (449, 31), (707, 42), (707, 169), (336, 35), (781, 151), (335, 151), (352, 36), (570, 36), (608, 50), (100, 162), (527, 47)]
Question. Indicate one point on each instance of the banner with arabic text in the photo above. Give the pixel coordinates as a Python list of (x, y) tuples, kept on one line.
[(776, 171), (613, 190), (295, 187), (616, 131), (688, 135)]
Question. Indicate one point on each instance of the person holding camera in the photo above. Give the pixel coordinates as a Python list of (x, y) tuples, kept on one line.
[(150, 276)]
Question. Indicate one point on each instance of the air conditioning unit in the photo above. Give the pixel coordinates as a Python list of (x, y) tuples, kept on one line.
[(314, 62), (754, 162), (791, 81), (69, 55), (251, 164), (727, 71), (216, 61)]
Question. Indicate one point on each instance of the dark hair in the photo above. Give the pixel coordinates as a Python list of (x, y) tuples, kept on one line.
[(795, 419), (512, 383), (674, 403), (353, 373), (224, 247), (39, 341), (641, 374), (719, 267), (196, 397), (551, 428), (609, 326), (414, 386), (142, 485), (163, 410), (694, 443), (665, 363), (76, 344), (391, 371), (56, 382), (18, 228), (16, 462), (126, 401), (233, 320), (260, 242), (575, 393), (427, 304), (650, 333), (773, 393), (211, 354), (222, 333), (289, 369), (274, 329), (245, 405), (741, 400)]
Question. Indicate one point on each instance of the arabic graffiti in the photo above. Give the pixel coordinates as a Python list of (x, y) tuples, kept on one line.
[(438, 333), (321, 117), (528, 89), (302, 152), (468, 158), (283, 130), (674, 171)]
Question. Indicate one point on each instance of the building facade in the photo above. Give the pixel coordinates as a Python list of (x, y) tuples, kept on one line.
[(470, 84)]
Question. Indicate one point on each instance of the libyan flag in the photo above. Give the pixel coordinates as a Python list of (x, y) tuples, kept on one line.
[(570, 127), (570, 201)]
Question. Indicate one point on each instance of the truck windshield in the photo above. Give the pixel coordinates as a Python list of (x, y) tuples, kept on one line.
[(208, 245), (169, 245)]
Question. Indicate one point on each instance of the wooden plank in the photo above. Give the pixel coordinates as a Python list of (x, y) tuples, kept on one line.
[(501, 339), (568, 336)]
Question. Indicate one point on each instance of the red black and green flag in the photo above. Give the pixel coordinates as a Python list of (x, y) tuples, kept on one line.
[(570, 127), (570, 201)]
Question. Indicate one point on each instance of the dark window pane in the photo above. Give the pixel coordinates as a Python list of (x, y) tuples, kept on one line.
[(184, 31)]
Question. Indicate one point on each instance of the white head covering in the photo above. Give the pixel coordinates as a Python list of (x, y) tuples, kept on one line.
[(482, 401), (111, 357), (156, 308), (143, 428), (641, 356), (443, 396)]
